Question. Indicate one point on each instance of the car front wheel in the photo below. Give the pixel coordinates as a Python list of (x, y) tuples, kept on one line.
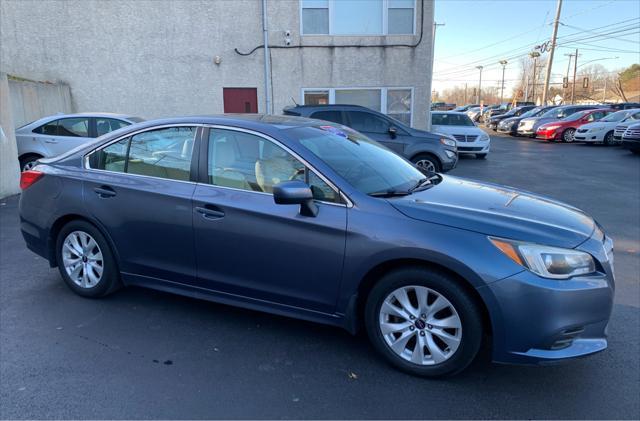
[(423, 322), (85, 260), (427, 162), (608, 139)]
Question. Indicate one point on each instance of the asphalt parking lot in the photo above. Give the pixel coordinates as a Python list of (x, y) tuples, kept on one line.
[(146, 354)]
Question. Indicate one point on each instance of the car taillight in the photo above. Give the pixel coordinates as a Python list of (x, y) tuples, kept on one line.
[(27, 178)]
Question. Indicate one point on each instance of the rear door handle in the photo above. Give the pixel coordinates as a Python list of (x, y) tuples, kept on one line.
[(104, 191), (210, 212)]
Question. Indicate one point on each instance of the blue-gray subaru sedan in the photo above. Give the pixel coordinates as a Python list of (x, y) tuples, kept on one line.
[(313, 220)]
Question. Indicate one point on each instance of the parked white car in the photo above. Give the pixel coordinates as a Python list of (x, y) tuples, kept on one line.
[(602, 131), (469, 138)]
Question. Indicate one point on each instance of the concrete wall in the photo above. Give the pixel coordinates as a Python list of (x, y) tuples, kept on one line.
[(155, 58), (9, 168), (32, 100)]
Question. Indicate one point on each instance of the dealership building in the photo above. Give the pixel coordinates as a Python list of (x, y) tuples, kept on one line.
[(175, 57)]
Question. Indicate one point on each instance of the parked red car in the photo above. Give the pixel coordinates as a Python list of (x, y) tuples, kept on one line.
[(565, 129)]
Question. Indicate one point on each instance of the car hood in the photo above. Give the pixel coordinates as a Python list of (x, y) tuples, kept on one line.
[(499, 211)]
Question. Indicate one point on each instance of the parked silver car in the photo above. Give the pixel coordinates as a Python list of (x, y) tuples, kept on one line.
[(54, 135)]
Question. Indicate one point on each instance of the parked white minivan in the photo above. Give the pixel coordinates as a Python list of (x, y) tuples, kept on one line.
[(469, 137)]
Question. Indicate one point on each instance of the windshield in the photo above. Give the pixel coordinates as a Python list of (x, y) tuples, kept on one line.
[(617, 116), (532, 113), (575, 116), (362, 162), (451, 120), (553, 113)]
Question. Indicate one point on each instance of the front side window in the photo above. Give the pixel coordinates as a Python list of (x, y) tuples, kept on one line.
[(365, 164), (163, 153), (246, 161), (334, 116), (358, 17), (73, 127), (367, 122)]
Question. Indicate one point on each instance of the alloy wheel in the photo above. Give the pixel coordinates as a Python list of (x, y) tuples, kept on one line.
[(420, 325), (29, 165), (426, 165), (568, 135), (82, 259)]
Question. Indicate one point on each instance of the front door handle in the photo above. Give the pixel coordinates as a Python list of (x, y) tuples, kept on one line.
[(104, 191), (210, 212), (50, 141)]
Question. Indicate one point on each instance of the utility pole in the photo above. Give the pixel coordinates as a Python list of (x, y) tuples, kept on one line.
[(504, 64), (478, 96), (564, 91), (553, 47), (433, 49), (267, 60), (604, 95), (573, 87), (534, 55), (465, 94)]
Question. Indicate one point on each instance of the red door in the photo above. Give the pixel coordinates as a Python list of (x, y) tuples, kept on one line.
[(240, 100)]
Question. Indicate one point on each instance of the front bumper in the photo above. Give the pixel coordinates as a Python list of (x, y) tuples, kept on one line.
[(474, 147), (449, 162), (631, 144), (540, 321), (526, 132), (590, 136), (547, 135)]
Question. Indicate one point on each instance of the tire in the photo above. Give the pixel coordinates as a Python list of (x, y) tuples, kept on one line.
[(567, 135), (481, 156), (108, 279), (608, 139), (435, 284), (27, 161), (424, 160)]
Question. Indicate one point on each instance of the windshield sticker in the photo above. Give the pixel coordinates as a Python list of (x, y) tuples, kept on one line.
[(335, 130)]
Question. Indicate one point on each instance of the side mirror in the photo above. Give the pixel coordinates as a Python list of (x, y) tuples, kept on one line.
[(295, 193), (393, 132)]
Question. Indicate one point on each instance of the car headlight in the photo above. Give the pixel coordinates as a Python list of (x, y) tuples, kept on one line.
[(448, 142), (484, 137), (546, 261)]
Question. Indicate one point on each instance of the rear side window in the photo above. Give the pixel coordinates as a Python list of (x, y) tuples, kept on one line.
[(334, 116), (106, 125), (73, 127), (164, 153), (51, 128)]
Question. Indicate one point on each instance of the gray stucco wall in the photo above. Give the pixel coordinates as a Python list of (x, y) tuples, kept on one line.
[(9, 168), (155, 58)]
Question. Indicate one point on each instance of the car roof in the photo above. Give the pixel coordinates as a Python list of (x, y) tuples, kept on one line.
[(448, 112), (248, 121), (309, 106)]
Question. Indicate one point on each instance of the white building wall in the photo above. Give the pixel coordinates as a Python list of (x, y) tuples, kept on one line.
[(156, 58)]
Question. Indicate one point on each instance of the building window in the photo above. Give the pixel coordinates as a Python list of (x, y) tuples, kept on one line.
[(358, 17), (395, 102)]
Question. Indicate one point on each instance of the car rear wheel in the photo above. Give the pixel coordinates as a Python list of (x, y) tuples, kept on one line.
[(568, 135), (423, 322), (427, 162), (28, 161), (85, 260)]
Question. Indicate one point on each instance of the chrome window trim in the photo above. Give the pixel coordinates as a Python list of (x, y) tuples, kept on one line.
[(348, 203)]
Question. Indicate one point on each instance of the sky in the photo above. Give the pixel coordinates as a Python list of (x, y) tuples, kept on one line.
[(483, 32)]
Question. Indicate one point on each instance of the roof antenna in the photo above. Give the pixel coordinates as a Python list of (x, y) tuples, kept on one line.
[(294, 101)]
